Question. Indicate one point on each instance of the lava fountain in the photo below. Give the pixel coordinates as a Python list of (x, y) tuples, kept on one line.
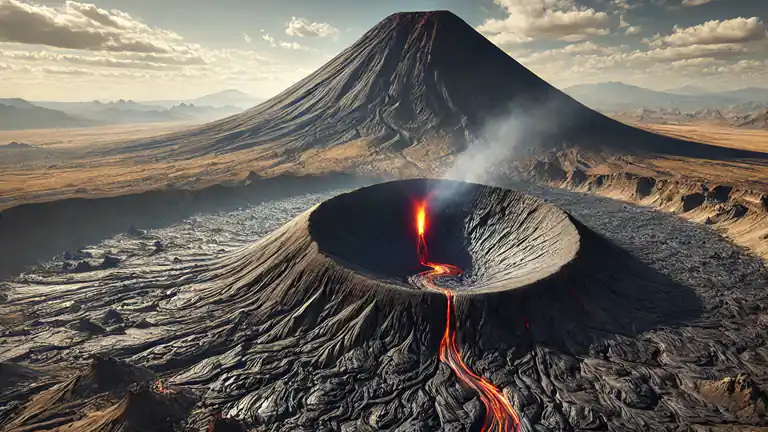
[(500, 415)]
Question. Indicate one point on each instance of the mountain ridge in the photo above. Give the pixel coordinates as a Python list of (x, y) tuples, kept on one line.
[(618, 96)]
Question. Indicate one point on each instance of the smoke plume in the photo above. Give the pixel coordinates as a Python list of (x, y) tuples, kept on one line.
[(524, 128)]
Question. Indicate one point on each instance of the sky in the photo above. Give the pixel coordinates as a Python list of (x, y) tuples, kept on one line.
[(179, 49)]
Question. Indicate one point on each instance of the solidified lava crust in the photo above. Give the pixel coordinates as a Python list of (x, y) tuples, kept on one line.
[(319, 325)]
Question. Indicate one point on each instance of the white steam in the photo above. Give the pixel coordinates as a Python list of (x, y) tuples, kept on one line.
[(488, 159), (502, 138)]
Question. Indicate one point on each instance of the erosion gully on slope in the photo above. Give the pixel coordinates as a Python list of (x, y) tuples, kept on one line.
[(500, 415)]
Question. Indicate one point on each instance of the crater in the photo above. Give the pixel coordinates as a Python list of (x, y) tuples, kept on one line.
[(501, 239)]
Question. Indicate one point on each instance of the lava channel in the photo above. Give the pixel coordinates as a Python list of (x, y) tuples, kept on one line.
[(500, 415)]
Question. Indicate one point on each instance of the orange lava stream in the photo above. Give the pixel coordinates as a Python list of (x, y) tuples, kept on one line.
[(500, 415)]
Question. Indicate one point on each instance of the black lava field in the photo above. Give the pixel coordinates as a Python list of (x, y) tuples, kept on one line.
[(299, 314)]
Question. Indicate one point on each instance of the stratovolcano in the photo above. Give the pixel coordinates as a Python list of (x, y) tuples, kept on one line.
[(417, 82)]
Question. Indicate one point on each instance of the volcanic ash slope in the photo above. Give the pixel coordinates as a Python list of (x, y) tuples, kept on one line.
[(318, 325)]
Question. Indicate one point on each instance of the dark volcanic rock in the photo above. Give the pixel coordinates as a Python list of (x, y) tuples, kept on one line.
[(692, 201), (82, 267), (112, 317), (135, 232), (720, 193), (110, 261), (85, 325), (78, 255), (644, 186)]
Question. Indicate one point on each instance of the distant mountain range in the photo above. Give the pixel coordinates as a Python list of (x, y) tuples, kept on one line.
[(22, 114), (220, 99), (616, 96)]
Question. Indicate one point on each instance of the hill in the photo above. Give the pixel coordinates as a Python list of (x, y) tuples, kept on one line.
[(616, 96), (689, 90), (224, 98), (749, 94), (20, 114), (757, 120), (129, 111)]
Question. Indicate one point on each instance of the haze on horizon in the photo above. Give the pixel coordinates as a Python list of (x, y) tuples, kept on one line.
[(179, 49)]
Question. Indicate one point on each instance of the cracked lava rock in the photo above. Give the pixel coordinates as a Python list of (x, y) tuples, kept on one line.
[(326, 324)]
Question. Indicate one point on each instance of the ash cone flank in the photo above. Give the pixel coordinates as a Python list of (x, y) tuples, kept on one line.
[(418, 78), (351, 257)]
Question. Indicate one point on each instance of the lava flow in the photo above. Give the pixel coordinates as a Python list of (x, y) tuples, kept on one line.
[(500, 415)]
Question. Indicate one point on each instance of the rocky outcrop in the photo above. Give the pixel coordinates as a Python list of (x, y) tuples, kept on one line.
[(740, 397), (740, 213)]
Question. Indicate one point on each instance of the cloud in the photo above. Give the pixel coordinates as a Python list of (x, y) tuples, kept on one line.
[(622, 22), (530, 20), (269, 39), (695, 2), (247, 38), (630, 29), (733, 31), (282, 44), (83, 26), (625, 4), (303, 28), (292, 45), (98, 61), (196, 59)]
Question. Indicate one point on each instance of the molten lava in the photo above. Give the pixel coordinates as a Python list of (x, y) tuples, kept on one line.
[(161, 388), (500, 415)]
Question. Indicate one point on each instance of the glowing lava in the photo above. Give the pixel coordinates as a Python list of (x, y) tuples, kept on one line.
[(500, 415)]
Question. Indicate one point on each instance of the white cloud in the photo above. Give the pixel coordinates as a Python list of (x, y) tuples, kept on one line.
[(292, 45), (99, 61), (83, 26), (108, 54), (695, 2), (269, 39), (274, 43), (698, 51), (623, 23), (625, 4), (733, 31), (630, 29), (303, 28), (529, 20)]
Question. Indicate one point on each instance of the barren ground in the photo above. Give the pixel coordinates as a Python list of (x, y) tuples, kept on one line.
[(70, 164)]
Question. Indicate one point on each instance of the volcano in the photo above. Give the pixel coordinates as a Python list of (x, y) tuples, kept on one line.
[(336, 318), (410, 305), (417, 79)]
